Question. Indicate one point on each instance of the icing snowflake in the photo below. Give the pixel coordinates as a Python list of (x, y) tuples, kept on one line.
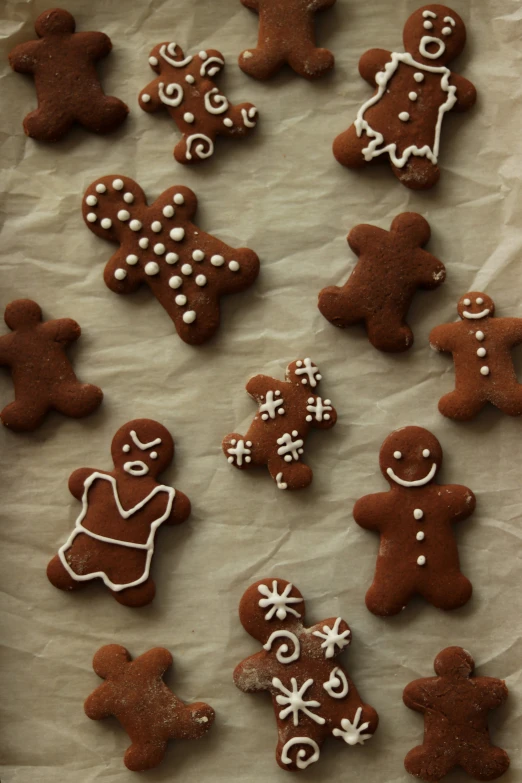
[(352, 733), (290, 448), (279, 603), (319, 409), (269, 408), (333, 638), (296, 701), (239, 450), (306, 367)]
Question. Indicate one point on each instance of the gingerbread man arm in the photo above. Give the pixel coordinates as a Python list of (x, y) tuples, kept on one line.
[(210, 65), (132, 280), (370, 511), (95, 44), (180, 509), (150, 97), (77, 481), (328, 638), (511, 328), (98, 705), (363, 236), (6, 343), (155, 662), (253, 674), (416, 694), (372, 62), (460, 501), (494, 691), (320, 5), (23, 57), (466, 93), (260, 384), (252, 4), (442, 338), (63, 330), (318, 416), (433, 271)]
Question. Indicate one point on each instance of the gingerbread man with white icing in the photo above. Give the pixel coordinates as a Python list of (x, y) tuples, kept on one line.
[(187, 270), (276, 437), (113, 539), (313, 696), (418, 553), (414, 90), (481, 347), (185, 88)]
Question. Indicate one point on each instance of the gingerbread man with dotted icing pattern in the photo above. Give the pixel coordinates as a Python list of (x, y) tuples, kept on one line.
[(185, 88), (276, 437), (43, 377), (67, 85), (481, 347), (418, 553), (187, 270), (151, 714), (313, 696), (455, 705), (113, 538), (286, 35), (392, 266), (414, 90)]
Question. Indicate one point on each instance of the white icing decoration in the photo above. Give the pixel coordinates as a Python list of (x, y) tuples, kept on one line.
[(120, 274), (420, 536), (91, 217), (178, 199), (295, 702), (145, 97), (186, 269), (404, 116), (189, 317), (168, 211), (319, 409), (148, 546), (159, 249), (282, 651), (301, 761), (352, 733), (238, 450), (152, 268), (135, 225), (288, 447), (215, 103), (201, 280), (203, 55), (450, 20), (153, 60), (428, 25), (481, 352), (172, 89), (397, 454), (144, 446), (412, 96), (417, 483), (143, 243), (171, 49), (181, 300), (307, 368), (189, 117), (426, 453), (136, 468), (228, 122), (171, 258), (421, 560), (429, 39), (447, 31), (279, 603), (337, 678), (117, 184), (131, 259), (248, 117), (91, 201), (126, 448), (198, 255), (200, 148), (233, 266), (479, 300), (332, 638), (419, 77), (466, 302), (128, 198), (479, 335), (476, 316), (280, 483), (177, 234), (484, 370), (189, 79), (418, 513), (156, 226), (106, 223), (217, 260), (153, 455), (271, 405), (101, 188), (428, 14), (205, 70), (175, 282), (123, 215)]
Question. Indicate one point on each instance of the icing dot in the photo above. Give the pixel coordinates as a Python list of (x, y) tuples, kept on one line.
[(101, 188), (201, 280), (426, 453), (153, 61), (177, 234), (143, 243), (153, 455), (419, 77), (132, 259), (189, 79), (175, 281), (418, 513), (233, 266), (203, 55), (145, 97), (428, 25), (181, 300), (484, 370), (156, 226), (447, 31), (217, 260), (299, 363), (126, 448), (481, 352), (159, 249), (168, 211), (178, 199), (467, 302), (198, 255), (128, 198), (397, 454), (421, 560), (91, 217), (189, 317), (152, 268), (171, 258), (412, 96), (404, 116), (228, 122), (479, 335), (123, 215), (186, 269), (117, 184), (91, 201), (480, 300), (135, 225), (120, 274), (189, 117), (420, 536), (106, 223)]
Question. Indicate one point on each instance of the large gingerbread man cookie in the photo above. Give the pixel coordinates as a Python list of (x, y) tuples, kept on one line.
[(67, 85), (313, 696), (151, 714), (414, 89), (286, 35), (455, 705), (42, 374), (187, 270), (185, 88), (392, 266), (481, 346), (418, 553), (113, 538), (276, 437)]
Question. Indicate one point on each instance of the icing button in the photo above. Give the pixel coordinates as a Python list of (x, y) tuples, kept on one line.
[(413, 96), (418, 513), (479, 335), (186, 269), (420, 536), (175, 282), (152, 268), (189, 317), (481, 352), (419, 77), (177, 234), (484, 370), (421, 560), (404, 116)]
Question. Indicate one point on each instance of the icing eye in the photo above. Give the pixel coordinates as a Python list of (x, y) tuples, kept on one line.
[(397, 455), (467, 302), (433, 15), (447, 31), (126, 448), (479, 301), (153, 455), (426, 453), (428, 25)]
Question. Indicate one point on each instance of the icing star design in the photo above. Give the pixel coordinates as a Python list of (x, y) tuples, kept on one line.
[(279, 603), (352, 732), (333, 638), (295, 700)]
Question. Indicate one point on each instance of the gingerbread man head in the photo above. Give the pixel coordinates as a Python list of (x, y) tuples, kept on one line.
[(454, 662), (303, 372), (269, 609), (410, 457), (434, 35), (142, 448), (22, 314), (57, 21), (475, 306)]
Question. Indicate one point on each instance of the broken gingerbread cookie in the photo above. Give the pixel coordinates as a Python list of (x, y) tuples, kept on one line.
[(276, 437)]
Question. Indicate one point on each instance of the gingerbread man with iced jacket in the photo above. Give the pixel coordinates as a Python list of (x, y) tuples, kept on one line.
[(414, 91)]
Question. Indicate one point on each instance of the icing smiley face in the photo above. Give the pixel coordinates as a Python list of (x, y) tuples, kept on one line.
[(434, 34), (475, 306), (410, 457), (142, 448)]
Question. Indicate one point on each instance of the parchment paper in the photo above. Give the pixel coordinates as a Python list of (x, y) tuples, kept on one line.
[(282, 193)]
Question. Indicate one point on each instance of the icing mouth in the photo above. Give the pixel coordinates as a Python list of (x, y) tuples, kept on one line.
[(136, 468), (475, 316), (426, 40), (417, 483)]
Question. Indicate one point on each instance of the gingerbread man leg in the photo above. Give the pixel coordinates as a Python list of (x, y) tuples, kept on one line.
[(418, 173), (244, 118), (76, 399), (383, 602), (262, 62), (141, 595), (144, 755), (448, 590), (386, 333), (289, 475), (46, 124), (461, 404), (24, 414), (110, 112), (510, 399), (348, 148), (194, 147), (339, 306), (487, 764), (310, 61), (60, 577), (423, 762)]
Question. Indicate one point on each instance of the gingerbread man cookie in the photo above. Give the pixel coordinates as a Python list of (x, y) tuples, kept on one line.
[(418, 553), (455, 705), (151, 714), (42, 374), (484, 371), (286, 35), (185, 88), (113, 539), (187, 270), (414, 90), (276, 437), (392, 267), (67, 85), (313, 696)]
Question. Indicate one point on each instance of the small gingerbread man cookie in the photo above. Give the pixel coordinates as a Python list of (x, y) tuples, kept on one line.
[(42, 374), (113, 539), (313, 696), (455, 705), (418, 553), (67, 85), (484, 371), (151, 714), (392, 266), (286, 35), (414, 90), (276, 437), (185, 88)]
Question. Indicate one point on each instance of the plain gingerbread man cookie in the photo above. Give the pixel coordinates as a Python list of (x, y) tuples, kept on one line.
[(67, 85), (418, 553), (481, 347), (286, 35), (185, 88), (392, 266), (414, 90), (276, 437), (313, 696), (455, 705), (113, 538), (42, 374), (151, 714)]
